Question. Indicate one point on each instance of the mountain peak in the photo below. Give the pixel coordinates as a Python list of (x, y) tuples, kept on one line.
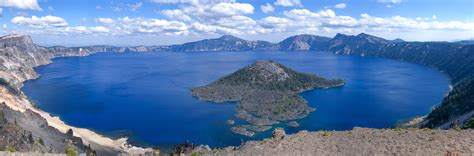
[(372, 39), (364, 35), (398, 40), (304, 42), (17, 40), (269, 68), (339, 35), (229, 38), (12, 36)]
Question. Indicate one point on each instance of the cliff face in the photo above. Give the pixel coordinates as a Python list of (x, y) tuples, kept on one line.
[(304, 42), (456, 60), (18, 56), (26, 131), (26, 128)]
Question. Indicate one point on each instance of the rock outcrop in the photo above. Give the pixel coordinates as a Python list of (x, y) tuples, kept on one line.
[(27, 131)]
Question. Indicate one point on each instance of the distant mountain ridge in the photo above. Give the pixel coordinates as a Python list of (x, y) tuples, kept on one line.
[(304, 42), (224, 43)]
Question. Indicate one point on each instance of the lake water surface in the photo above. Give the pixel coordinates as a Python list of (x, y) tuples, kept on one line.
[(147, 95)]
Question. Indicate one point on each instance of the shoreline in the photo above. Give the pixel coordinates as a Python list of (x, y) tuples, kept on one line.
[(97, 141)]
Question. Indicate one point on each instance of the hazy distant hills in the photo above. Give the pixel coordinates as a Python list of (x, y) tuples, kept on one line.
[(303, 42), (224, 43), (465, 42)]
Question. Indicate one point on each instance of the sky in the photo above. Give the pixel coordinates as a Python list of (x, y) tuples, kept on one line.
[(164, 22)]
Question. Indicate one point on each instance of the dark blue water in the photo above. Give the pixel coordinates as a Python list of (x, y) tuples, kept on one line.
[(147, 95)]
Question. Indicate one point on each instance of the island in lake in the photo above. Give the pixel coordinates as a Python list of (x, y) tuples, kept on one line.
[(267, 93)]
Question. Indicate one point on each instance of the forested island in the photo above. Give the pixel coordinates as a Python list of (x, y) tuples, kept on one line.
[(266, 92)]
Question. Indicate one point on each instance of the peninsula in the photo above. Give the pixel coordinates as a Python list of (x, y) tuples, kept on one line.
[(267, 93)]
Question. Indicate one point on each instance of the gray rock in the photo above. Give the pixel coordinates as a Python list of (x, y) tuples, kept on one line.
[(242, 131), (278, 133), (257, 128), (230, 122), (293, 124)]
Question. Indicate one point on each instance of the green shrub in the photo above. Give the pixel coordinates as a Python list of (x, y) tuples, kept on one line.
[(469, 124), (41, 141), (11, 149), (70, 151)]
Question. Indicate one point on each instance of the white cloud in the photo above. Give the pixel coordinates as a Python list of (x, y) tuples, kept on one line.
[(171, 1), (216, 10), (398, 23), (21, 4), (277, 24), (230, 9), (85, 30), (190, 1), (388, 6), (303, 14), (176, 14), (199, 19), (104, 20), (326, 21), (390, 1), (288, 3), (118, 6), (1, 12), (50, 8), (340, 5), (40, 22), (130, 26), (267, 8), (134, 7)]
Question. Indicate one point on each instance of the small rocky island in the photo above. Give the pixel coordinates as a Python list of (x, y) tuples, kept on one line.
[(266, 92)]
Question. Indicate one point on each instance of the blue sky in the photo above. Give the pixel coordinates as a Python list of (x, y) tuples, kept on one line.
[(161, 22)]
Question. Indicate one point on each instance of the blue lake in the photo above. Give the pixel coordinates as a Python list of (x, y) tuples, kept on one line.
[(147, 95)]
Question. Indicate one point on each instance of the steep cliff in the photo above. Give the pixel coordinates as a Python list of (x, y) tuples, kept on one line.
[(304, 42), (25, 125), (456, 60)]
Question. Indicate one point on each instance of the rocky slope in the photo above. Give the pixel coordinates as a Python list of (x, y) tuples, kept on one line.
[(304, 42), (359, 141), (455, 60), (27, 132), (267, 93), (24, 124)]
